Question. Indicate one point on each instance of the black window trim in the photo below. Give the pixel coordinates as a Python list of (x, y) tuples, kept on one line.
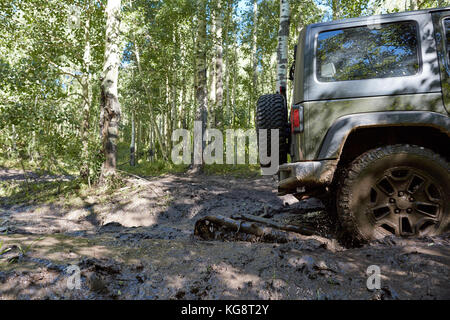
[(445, 45), (319, 91)]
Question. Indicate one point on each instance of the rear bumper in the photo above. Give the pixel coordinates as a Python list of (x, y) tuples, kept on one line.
[(308, 174)]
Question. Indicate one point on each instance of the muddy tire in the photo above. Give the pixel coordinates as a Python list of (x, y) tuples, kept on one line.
[(271, 113), (401, 190)]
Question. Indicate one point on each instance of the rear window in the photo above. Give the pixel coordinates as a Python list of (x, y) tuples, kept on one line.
[(382, 51)]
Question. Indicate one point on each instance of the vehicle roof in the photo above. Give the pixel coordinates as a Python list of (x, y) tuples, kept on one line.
[(380, 16)]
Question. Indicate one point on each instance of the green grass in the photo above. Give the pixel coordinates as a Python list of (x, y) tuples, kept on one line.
[(3, 250), (144, 167), (39, 191), (18, 192), (236, 171), (161, 167), (155, 168), (59, 168)]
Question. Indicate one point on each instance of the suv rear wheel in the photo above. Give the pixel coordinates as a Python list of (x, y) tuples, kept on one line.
[(271, 113), (400, 190)]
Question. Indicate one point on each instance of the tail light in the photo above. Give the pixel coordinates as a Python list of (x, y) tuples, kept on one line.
[(297, 120)]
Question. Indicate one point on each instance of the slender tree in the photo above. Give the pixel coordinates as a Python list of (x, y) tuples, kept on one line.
[(133, 141), (86, 93), (110, 106), (219, 67), (200, 87), (212, 71), (282, 52), (254, 88)]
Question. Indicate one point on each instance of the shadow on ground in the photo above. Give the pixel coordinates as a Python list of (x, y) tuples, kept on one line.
[(138, 243)]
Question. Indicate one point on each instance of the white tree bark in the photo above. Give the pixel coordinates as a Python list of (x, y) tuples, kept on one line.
[(227, 113), (110, 112), (200, 87), (255, 28), (218, 119), (87, 93), (133, 141), (413, 5), (254, 91), (282, 52), (212, 74)]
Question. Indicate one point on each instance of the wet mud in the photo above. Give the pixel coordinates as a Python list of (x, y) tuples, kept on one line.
[(139, 243)]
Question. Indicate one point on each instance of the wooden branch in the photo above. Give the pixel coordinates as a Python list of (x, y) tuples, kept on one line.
[(64, 72), (205, 228), (80, 95), (233, 224), (277, 225), (141, 178)]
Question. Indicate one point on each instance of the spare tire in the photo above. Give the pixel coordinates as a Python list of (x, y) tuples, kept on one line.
[(271, 113)]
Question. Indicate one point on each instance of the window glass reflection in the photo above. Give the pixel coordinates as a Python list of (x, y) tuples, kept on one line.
[(387, 50)]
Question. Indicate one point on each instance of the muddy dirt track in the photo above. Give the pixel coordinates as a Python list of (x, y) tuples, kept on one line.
[(138, 243)]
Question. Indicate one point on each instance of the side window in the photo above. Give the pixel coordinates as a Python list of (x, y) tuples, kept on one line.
[(383, 51)]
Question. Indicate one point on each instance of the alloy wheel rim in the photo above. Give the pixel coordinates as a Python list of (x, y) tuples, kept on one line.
[(405, 202)]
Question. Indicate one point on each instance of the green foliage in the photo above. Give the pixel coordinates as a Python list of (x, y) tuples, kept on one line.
[(42, 93), (391, 6), (50, 83)]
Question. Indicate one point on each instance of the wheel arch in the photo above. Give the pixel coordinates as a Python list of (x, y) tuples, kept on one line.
[(352, 135)]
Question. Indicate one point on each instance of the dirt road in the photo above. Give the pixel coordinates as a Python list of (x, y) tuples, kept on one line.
[(138, 243)]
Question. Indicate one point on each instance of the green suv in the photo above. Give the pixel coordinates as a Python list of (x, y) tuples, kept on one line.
[(369, 127)]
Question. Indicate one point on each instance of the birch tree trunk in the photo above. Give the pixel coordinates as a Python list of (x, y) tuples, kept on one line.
[(200, 88), (110, 106), (254, 62), (133, 141), (227, 113), (336, 7), (86, 93), (168, 115), (150, 144), (175, 114), (413, 5), (218, 119), (282, 52), (235, 73), (227, 86), (212, 74)]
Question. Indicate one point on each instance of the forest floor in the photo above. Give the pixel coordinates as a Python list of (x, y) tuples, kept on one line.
[(137, 242)]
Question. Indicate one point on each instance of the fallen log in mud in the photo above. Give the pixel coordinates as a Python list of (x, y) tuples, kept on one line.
[(224, 228), (286, 227)]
